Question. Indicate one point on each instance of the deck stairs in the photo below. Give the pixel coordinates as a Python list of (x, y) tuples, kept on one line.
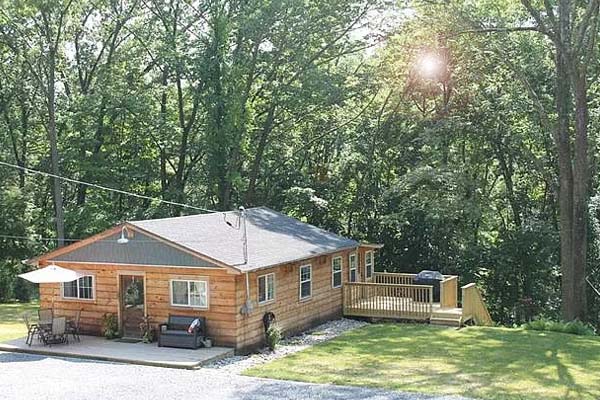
[(446, 316)]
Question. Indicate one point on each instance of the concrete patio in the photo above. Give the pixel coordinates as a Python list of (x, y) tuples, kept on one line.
[(98, 348)]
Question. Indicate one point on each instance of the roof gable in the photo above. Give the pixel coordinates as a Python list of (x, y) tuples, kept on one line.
[(142, 249)]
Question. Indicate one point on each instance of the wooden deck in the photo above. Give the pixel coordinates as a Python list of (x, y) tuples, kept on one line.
[(394, 296)]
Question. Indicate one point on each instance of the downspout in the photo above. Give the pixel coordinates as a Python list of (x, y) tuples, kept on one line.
[(247, 289)]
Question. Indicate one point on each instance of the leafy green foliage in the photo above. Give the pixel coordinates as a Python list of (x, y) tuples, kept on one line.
[(308, 107), (572, 327), (273, 336), (110, 326)]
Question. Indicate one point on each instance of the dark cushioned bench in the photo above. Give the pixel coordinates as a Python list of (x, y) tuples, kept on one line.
[(175, 332)]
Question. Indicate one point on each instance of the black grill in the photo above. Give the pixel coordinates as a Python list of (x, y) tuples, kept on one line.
[(430, 278)]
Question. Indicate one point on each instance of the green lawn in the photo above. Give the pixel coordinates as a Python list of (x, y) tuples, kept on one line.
[(11, 321), (489, 363)]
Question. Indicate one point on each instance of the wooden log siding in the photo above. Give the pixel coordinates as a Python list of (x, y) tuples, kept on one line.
[(449, 292), (292, 314), (381, 300), (221, 315)]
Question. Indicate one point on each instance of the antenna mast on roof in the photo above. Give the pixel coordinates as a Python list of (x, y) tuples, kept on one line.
[(244, 233)]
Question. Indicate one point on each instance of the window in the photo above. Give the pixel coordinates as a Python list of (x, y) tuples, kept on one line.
[(352, 270), (82, 288), (305, 282), (266, 288), (336, 272), (189, 293), (369, 264)]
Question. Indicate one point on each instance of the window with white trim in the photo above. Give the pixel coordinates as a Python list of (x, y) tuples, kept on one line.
[(305, 282), (369, 264), (336, 272), (82, 288), (186, 293), (352, 261), (266, 288)]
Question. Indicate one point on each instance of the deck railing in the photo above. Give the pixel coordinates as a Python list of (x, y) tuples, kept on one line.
[(473, 306), (382, 300), (392, 278), (449, 292)]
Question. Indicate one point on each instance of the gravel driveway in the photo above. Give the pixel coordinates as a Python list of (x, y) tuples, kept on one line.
[(25, 376)]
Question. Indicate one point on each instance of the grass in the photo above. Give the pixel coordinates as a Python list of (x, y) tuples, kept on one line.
[(488, 363), (11, 321)]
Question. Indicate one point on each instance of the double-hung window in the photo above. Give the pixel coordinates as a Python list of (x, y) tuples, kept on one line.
[(352, 267), (186, 293), (336, 272), (266, 288), (82, 288), (369, 264), (305, 282)]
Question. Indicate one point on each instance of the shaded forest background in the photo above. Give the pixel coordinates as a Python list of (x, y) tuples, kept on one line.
[(321, 109)]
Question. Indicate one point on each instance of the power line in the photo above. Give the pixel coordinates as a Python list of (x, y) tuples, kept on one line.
[(140, 196), (35, 238)]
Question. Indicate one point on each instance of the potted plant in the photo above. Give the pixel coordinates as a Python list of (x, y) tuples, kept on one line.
[(110, 326), (146, 330)]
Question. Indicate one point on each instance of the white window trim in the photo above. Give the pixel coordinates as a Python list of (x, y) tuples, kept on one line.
[(370, 267), (355, 269), (266, 290), (333, 272), (301, 282), (189, 305), (93, 298)]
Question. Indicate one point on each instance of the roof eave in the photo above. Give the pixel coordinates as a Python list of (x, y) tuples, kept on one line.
[(372, 245), (254, 269)]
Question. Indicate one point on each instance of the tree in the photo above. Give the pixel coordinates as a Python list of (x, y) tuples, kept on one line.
[(36, 34), (572, 27)]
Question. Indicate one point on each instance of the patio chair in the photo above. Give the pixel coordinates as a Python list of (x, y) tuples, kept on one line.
[(73, 326), (33, 329), (45, 316), (58, 333)]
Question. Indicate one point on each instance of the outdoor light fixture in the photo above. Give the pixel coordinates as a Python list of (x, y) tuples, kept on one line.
[(123, 239)]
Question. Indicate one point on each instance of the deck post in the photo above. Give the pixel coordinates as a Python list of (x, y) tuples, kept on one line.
[(430, 302)]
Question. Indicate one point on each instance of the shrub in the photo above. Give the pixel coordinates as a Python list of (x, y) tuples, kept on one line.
[(572, 327), (273, 336)]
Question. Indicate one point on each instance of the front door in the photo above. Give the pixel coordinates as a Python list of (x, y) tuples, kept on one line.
[(132, 305)]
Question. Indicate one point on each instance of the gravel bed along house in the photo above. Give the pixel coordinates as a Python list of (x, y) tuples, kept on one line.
[(293, 344)]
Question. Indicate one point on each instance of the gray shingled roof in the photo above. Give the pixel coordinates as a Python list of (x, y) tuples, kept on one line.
[(273, 238)]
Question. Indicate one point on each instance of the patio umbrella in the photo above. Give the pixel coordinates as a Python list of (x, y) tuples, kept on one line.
[(51, 274)]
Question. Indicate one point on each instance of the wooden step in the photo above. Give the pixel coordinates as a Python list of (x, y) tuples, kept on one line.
[(446, 321)]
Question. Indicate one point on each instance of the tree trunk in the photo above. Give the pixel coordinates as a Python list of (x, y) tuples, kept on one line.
[(580, 197), (53, 139), (565, 195), (260, 151)]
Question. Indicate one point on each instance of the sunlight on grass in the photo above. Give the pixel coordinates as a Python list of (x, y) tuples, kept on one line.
[(489, 363), (11, 321)]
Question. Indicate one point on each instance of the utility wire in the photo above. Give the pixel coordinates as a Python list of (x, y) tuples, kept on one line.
[(140, 196), (35, 238)]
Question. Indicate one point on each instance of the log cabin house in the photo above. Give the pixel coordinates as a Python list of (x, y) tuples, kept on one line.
[(229, 267)]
